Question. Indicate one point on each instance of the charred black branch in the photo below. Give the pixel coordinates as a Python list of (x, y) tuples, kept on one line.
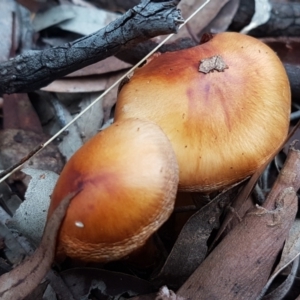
[(136, 53), (35, 69)]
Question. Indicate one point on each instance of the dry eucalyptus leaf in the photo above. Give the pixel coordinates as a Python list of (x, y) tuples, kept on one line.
[(107, 65), (77, 85), (57, 283), (291, 248), (13, 251), (87, 20), (16, 246), (30, 217), (49, 293), (280, 292), (9, 201), (4, 217), (83, 3), (190, 248), (15, 144), (70, 141), (52, 16), (34, 5), (250, 249), (200, 21), (291, 251), (23, 279), (90, 122), (7, 13), (18, 113), (223, 19), (110, 285)]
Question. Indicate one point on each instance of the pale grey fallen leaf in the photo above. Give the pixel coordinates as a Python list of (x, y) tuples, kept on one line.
[(30, 217), (59, 285), (261, 16), (52, 16), (201, 20), (77, 85), (83, 3), (90, 122), (4, 216), (110, 99), (88, 20), (7, 14), (9, 200), (13, 251), (223, 19), (107, 65), (290, 252), (71, 141)]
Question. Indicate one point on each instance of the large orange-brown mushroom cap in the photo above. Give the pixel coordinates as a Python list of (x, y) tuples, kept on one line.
[(222, 125), (128, 177)]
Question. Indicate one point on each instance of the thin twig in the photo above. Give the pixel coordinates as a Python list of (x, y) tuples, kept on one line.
[(34, 69)]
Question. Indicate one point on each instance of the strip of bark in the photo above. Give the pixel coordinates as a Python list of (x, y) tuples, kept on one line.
[(239, 267), (35, 69), (23, 279)]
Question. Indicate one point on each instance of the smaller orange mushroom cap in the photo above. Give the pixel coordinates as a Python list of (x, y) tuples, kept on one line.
[(128, 177), (222, 125)]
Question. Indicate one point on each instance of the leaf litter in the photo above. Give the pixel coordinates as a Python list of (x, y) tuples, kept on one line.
[(86, 84)]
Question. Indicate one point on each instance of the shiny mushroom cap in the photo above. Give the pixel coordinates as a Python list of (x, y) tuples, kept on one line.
[(128, 177), (224, 120)]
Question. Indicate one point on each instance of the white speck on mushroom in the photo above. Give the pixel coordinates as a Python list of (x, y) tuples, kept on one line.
[(79, 224)]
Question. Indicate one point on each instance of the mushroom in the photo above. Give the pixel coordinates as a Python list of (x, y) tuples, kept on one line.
[(224, 105), (128, 177)]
